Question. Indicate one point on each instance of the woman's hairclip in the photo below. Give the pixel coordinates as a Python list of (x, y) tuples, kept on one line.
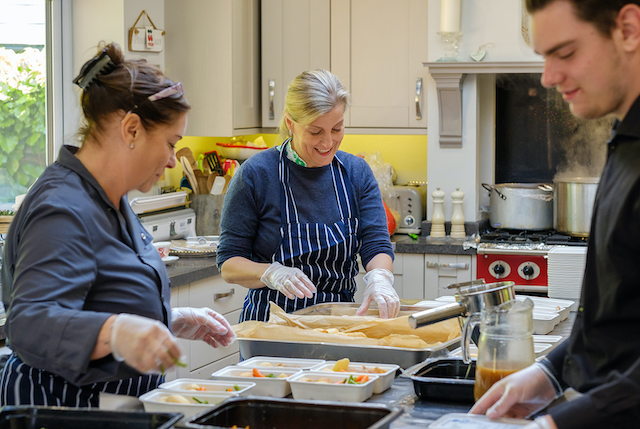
[(175, 89), (101, 64)]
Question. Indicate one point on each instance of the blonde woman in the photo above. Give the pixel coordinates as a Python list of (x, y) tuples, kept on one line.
[(297, 215)]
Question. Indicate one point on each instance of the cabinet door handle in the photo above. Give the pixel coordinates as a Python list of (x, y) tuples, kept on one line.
[(217, 296), (272, 95), (418, 92), (456, 265)]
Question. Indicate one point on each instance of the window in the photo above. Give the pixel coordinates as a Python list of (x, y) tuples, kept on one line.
[(23, 65)]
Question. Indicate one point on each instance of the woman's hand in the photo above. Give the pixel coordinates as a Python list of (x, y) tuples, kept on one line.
[(380, 289), (517, 395), (202, 324), (290, 281), (144, 344)]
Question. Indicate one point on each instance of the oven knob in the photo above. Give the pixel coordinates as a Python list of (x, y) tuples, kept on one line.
[(499, 269), (529, 270), (409, 220)]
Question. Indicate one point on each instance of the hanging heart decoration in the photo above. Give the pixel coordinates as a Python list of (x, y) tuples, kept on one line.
[(478, 55)]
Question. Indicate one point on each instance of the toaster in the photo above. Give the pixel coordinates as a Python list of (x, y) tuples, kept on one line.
[(410, 209)]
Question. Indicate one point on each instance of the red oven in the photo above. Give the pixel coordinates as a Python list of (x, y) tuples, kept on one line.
[(526, 267)]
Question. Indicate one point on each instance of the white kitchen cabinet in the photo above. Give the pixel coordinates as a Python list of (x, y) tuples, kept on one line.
[(442, 270), (213, 48), (226, 299), (377, 50), (295, 38)]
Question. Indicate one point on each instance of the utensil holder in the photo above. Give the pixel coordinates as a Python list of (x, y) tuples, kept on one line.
[(208, 210)]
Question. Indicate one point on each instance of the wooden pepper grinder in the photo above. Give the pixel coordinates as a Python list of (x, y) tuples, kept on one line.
[(437, 219), (457, 219)]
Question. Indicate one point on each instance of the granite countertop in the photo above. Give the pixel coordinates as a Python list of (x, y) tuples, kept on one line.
[(190, 269), (427, 244)]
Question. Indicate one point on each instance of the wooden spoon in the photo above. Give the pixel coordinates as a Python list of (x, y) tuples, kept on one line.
[(188, 171)]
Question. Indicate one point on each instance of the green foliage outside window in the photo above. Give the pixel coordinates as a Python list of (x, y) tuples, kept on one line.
[(22, 120)]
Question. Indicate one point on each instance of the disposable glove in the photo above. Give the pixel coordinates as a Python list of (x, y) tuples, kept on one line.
[(290, 281), (379, 288), (144, 344), (202, 324), (517, 395)]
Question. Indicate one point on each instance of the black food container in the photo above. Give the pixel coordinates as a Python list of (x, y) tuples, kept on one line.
[(27, 417), (448, 379), (277, 413)]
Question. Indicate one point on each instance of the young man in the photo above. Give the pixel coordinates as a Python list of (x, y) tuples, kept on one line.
[(592, 57)]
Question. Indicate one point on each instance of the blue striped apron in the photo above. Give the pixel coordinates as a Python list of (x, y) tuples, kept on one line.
[(326, 253), (21, 384)]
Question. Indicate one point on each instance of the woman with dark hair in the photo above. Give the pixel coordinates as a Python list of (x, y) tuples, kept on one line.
[(86, 293), (296, 216)]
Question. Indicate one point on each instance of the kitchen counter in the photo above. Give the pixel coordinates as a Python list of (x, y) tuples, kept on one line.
[(191, 269), (431, 245)]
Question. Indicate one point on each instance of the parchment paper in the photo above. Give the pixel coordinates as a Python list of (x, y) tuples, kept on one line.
[(364, 330)]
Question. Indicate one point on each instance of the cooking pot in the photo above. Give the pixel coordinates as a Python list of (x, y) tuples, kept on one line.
[(573, 205), (525, 206)]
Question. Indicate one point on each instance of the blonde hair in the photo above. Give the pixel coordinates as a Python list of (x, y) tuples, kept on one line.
[(311, 94)]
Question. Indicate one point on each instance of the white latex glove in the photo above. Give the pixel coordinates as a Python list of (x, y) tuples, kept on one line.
[(202, 324), (379, 287), (144, 344), (290, 281), (517, 395)]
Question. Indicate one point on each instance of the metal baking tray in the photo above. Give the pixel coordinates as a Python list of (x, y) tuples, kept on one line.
[(276, 413), (405, 357)]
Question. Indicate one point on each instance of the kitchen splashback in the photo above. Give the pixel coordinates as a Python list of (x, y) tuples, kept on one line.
[(537, 137)]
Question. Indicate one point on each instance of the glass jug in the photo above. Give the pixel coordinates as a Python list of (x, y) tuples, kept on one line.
[(505, 344)]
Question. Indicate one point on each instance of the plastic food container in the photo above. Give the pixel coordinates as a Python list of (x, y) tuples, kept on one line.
[(538, 348), (238, 388), (543, 322), (294, 414), (313, 390), (444, 380), (236, 151), (384, 381), (29, 417), (265, 386), (152, 401), (267, 362)]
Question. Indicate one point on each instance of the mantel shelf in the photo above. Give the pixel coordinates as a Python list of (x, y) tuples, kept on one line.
[(436, 68), (449, 77)]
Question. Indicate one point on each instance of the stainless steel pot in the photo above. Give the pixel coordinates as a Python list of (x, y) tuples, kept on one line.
[(573, 205), (525, 206)]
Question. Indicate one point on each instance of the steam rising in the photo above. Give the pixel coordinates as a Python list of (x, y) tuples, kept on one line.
[(585, 145)]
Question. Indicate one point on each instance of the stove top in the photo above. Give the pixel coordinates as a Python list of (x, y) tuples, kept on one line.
[(515, 237)]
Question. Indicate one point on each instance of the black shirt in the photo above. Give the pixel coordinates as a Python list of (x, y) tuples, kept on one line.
[(602, 356)]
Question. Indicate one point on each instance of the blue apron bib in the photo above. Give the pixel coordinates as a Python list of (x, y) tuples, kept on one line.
[(326, 253)]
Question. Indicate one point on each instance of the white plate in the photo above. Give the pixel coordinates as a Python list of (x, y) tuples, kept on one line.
[(152, 404), (170, 259), (265, 386), (384, 381), (239, 388), (330, 391), (273, 363)]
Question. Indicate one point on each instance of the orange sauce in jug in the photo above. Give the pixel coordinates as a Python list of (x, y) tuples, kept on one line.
[(486, 377)]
